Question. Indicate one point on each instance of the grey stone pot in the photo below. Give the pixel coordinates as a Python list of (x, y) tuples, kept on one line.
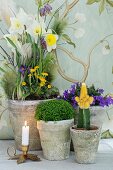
[(55, 138), (85, 144), (19, 112), (98, 114)]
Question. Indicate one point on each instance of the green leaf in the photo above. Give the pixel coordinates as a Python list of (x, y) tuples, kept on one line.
[(110, 2), (102, 6), (89, 2), (1, 69), (68, 40), (11, 42)]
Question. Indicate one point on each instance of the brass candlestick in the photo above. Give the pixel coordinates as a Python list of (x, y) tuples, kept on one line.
[(21, 158)]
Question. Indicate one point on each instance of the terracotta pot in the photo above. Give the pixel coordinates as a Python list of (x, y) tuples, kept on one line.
[(85, 143), (19, 112), (55, 138)]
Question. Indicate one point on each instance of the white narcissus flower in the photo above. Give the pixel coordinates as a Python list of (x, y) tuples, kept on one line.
[(35, 30), (80, 17), (79, 32), (16, 26), (24, 17), (7, 9), (51, 40), (105, 50)]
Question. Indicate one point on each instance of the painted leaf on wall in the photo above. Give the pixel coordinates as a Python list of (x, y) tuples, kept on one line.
[(92, 1), (110, 2), (102, 6)]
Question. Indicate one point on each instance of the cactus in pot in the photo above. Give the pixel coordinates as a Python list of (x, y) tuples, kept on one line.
[(85, 136)]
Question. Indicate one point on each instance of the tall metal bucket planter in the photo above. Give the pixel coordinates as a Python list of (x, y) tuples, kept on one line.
[(21, 111)]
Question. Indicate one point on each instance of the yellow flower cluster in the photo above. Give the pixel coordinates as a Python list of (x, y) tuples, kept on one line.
[(23, 83), (84, 100)]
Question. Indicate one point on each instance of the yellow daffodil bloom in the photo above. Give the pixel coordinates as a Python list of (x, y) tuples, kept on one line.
[(29, 75), (36, 67), (32, 70), (23, 83), (42, 79), (49, 86), (45, 74), (51, 40), (42, 84), (84, 100)]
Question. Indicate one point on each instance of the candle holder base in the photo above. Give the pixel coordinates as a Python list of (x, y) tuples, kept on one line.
[(21, 158)]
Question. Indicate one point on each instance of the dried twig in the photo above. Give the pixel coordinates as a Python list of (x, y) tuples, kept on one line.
[(69, 7), (75, 59)]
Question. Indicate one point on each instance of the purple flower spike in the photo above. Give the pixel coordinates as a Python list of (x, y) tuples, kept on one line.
[(43, 43), (45, 10), (101, 91), (99, 99), (42, 12), (48, 8), (22, 69)]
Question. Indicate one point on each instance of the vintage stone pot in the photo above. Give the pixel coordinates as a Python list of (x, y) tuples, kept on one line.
[(21, 111), (55, 138), (85, 143)]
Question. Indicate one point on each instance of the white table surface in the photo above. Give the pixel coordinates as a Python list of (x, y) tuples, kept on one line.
[(104, 160)]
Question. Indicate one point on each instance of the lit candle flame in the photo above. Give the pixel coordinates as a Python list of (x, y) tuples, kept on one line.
[(25, 123)]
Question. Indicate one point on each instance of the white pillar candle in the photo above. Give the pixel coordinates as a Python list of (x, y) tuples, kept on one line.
[(25, 134)]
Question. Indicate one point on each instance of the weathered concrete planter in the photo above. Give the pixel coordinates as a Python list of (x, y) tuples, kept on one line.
[(85, 144), (98, 114), (19, 112), (55, 138)]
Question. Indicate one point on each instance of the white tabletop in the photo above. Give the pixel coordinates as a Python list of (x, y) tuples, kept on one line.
[(104, 160)]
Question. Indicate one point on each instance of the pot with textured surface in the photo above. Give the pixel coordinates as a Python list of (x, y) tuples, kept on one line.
[(85, 143), (21, 111), (55, 138)]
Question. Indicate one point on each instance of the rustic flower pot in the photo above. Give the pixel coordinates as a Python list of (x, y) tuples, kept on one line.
[(19, 112), (55, 138), (85, 143), (98, 114)]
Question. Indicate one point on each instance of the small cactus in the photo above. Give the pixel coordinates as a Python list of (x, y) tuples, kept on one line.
[(84, 102)]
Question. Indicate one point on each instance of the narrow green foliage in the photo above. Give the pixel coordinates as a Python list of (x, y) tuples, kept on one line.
[(102, 6), (54, 110), (8, 82), (110, 2), (49, 66), (68, 40), (84, 119), (89, 2), (59, 26)]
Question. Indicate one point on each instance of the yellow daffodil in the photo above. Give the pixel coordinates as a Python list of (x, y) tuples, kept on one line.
[(42, 79), (32, 70), (84, 100), (45, 74), (49, 86), (42, 84), (23, 83), (51, 40), (36, 67), (29, 75)]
